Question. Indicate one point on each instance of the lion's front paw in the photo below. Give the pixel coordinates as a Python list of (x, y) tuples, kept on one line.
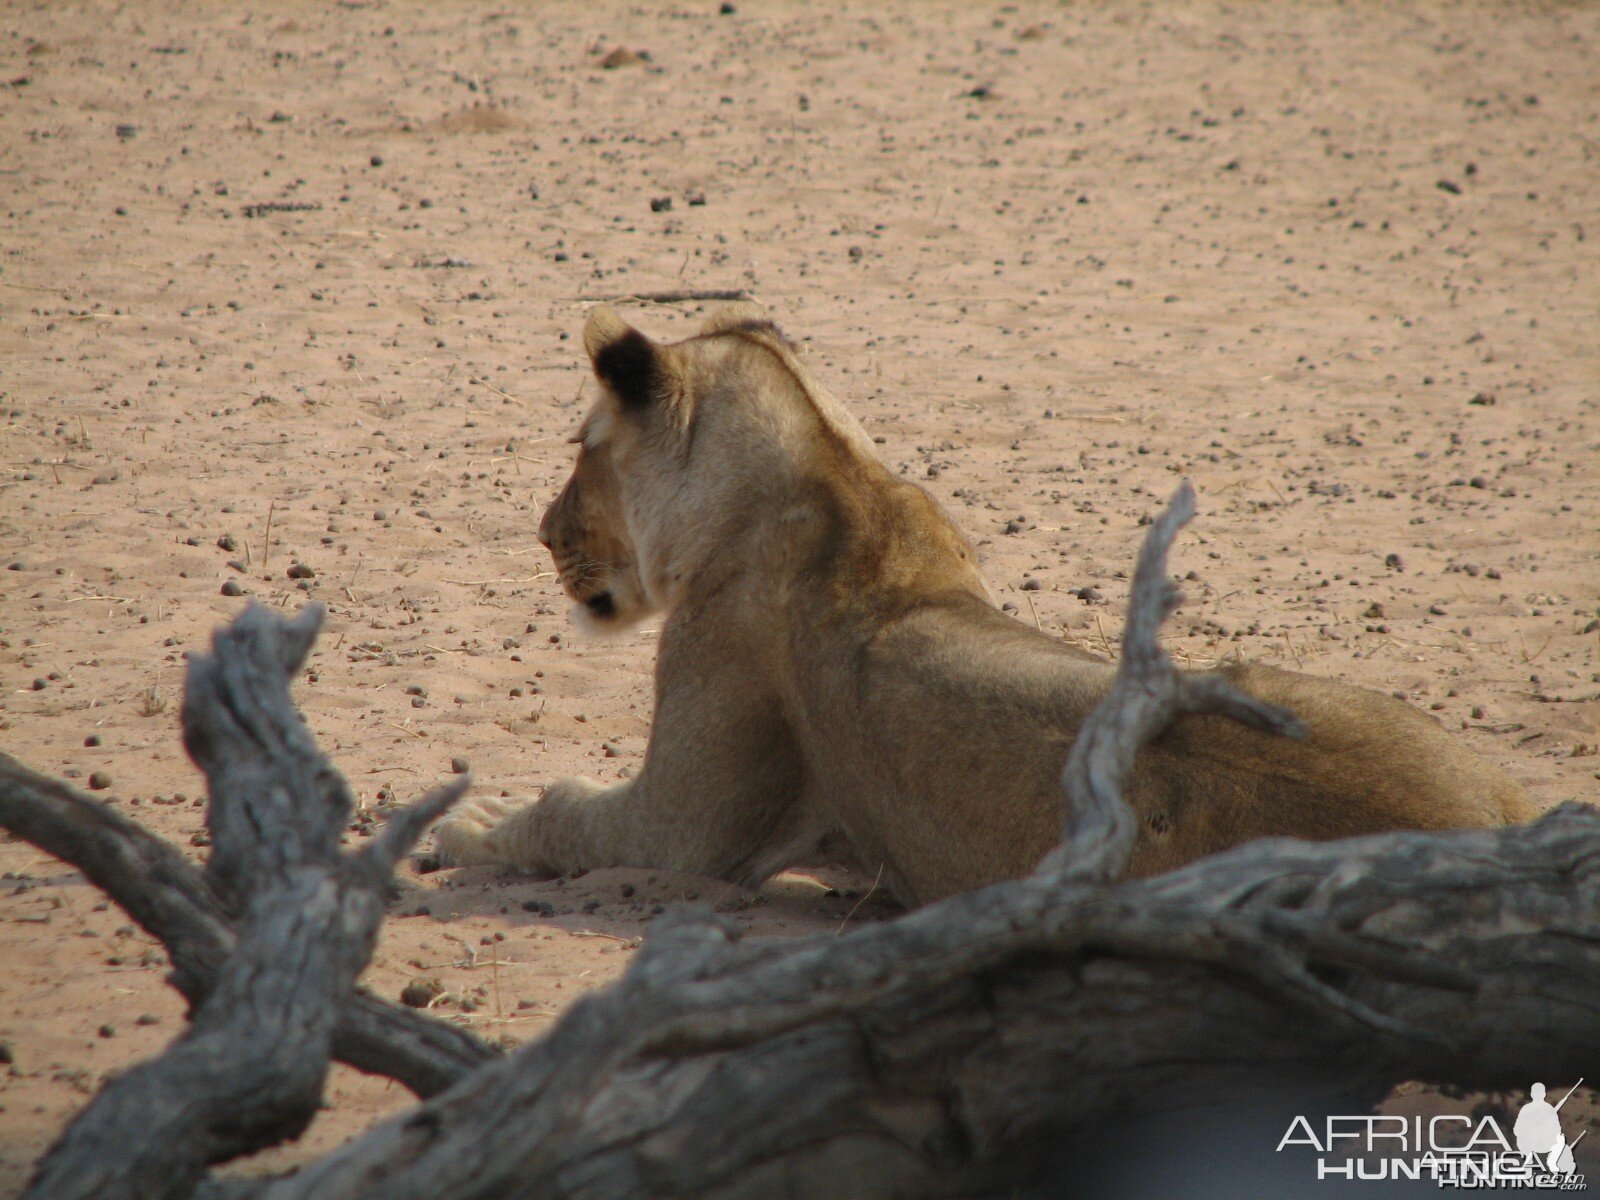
[(471, 836)]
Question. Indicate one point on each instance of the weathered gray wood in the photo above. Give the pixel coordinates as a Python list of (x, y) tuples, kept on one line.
[(174, 902), (955, 1050), (249, 1071), (937, 1054), (1147, 694)]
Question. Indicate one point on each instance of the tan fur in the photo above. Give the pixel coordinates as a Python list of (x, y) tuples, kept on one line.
[(834, 683)]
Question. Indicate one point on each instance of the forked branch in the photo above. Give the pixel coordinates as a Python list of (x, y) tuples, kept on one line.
[(249, 1071), (1147, 695)]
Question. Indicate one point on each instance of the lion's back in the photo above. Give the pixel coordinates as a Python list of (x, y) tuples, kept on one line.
[(1370, 764)]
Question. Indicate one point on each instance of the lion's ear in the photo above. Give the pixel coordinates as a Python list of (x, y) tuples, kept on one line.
[(626, 361)]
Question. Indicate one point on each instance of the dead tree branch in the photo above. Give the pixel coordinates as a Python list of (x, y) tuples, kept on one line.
[(938, 1054), (678, 296), (953, 1051), (1147, 695), (249, 1071), (935, 1054)]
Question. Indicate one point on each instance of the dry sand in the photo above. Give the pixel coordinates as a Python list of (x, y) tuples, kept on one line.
[(1338, 264)]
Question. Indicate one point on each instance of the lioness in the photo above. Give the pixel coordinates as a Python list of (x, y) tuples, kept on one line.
[(835, 684)]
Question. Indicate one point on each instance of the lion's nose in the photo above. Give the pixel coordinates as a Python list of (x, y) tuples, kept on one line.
[(544, 530)]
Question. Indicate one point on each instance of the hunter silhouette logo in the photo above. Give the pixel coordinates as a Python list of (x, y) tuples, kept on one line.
[(1538, 1132), (1429, 1148)]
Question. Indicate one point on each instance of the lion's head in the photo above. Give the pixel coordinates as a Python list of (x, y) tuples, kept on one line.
[(690, 445)]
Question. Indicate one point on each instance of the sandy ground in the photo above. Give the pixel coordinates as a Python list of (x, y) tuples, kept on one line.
[(301, 284)]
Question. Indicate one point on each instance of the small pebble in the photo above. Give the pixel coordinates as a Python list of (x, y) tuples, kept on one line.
[(99, 781), (459, 765), (107, 1031), (92, 740), (661, 204), (230, 587)]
